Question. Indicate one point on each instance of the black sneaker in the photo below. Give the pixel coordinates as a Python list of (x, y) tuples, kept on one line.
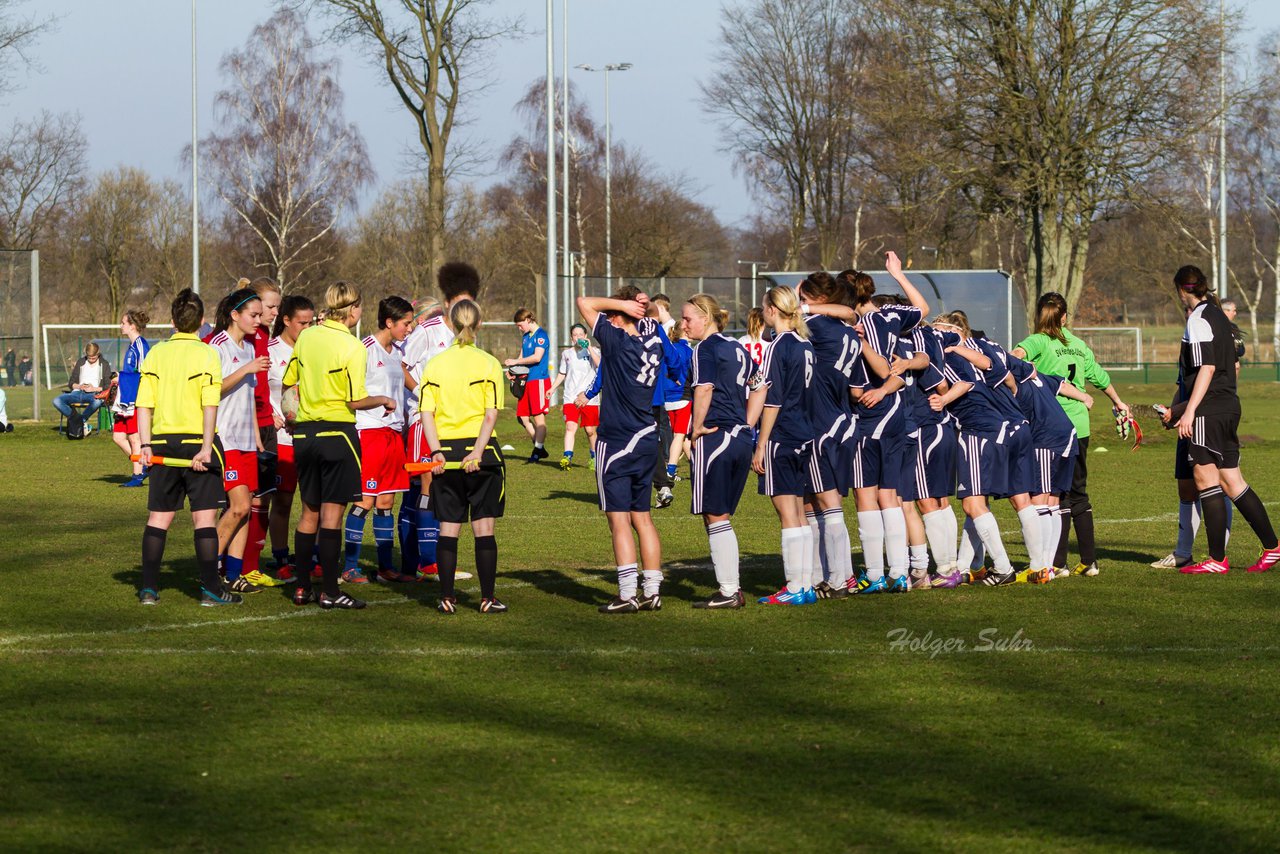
[(209, 599), (492, 606), (994, 579), (240, 585), (823, 590), (649, 603), (303, 596), (720, 602), (618, 605), (147, 596), (538, 455), (342, 600), (447, 605)]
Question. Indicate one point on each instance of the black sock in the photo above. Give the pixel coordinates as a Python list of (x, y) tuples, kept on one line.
[(152, 553), (304, 546), (1082, 519), (207, 558), (487, 564), (1213, 511), (446, 563), (1250, 507), (329, 543)]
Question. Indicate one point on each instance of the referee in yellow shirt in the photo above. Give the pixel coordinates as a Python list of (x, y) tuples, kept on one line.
[(459, 398), (328, 366), (177, 404)]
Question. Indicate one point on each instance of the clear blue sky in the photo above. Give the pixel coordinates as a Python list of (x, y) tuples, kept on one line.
[(124, 66)]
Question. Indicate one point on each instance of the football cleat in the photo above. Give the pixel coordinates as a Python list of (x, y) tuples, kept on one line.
[(856, 583), (785, 597), (565, 463), (303, 596), (447, 605), (898, 584), (428, 573), (147, 596), (618, 605), (391, 576), (1060, 572), (243, 585), (665, 497), (136, 480), (492, 606), (948, 582), (1087, 571), (995, 579), (866, 586), (355, 576), (810, 596), (285, 574), (592, 464), (1024, 576), (1169, 561), (538, 455), (1269, 559), (974, 576), (261, 579), (921, 582), (1207, 567), (720, 602), (209, 599), (1040, 576), (649, 603), (461, 575), (342, 601), (823, 590)]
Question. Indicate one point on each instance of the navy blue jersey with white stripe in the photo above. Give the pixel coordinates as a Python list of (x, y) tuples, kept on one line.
[(836, 350), (726, 366), (927, 340), (788, 372), (629, 366), (994, 377), (1038, 402), (975, 410), (912, 398)]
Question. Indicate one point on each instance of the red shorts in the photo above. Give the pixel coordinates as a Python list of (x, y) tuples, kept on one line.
[(680, 418), (286, 469), (127, 424), (585, 416), (536, 399), (241, 470), (382, 462)]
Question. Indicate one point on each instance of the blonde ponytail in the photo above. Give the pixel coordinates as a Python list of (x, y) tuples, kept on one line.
[(787, 304)]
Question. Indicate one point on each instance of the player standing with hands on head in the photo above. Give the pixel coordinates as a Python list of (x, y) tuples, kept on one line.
[(328, 366), (1210, 423), (177, 406), (578, 366), (535, 354), (627, 451), (460, 396)]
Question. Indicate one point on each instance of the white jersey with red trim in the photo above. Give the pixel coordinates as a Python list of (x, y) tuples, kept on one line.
[(237, 419), (429, 339), (756, 348), (279, 351), (383, 375)]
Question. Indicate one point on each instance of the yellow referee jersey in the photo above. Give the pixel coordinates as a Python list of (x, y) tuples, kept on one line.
[(180, 377), (458, 386), (328, 366)]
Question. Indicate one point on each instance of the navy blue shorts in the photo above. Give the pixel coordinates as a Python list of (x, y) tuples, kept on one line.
[(1054, 471), (786, 470), (1182, 468), (1022, 463), (878, 460), (984, 465), (908, 484), (624, 472), (935, 467), (831, 466), (720, 463)]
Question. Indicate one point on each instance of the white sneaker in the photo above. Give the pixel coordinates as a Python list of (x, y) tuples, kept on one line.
[(665, 497), (1170, 561)]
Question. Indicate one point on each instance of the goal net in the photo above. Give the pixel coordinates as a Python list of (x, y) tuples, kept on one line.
[(1116, 348), (64, 343)]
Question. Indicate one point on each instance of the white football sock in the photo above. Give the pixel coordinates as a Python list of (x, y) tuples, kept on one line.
[(724, 555), (871, 535), (652, 582), (918, 560), (895, 540), (1049, 529), (795, 544), (989, 530), (1032, 535), (627, 581), (821, 570), (835, 534), (940, 530)]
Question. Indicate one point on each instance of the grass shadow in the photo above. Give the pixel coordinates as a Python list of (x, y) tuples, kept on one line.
[(582, 497)]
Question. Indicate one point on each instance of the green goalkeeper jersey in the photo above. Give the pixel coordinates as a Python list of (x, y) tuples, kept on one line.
[(1073, 360)]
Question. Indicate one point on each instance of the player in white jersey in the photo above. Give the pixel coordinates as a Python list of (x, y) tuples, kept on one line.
[(419, 530), (754, 339), (237, 318), (578, 366), (382, 458), (296, 314)]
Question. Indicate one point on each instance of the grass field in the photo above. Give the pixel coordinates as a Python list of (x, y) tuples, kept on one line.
[(1136, 713)]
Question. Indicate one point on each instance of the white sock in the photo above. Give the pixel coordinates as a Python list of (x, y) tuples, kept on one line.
[(953, 535), (871, 535), (918, 559), (1032, 535), (821, 571), (809, 565), (895, 540), (795, 544), (652, 582), (1049, 530), (939, 531), (989, 530), (835, 534), (627, 581), (724, 555)]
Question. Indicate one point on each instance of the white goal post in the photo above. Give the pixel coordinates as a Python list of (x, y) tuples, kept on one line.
[(1116, 348)]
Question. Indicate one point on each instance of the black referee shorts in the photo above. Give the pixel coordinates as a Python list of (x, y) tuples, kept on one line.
[(459, 496), (169, 486), (1214, 441), (327, 454)]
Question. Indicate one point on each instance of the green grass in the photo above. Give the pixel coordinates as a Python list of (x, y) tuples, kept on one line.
[(1141, 718)]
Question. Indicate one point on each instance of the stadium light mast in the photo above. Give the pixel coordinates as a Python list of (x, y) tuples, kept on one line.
[(1222, 152), (755, 267), (566, 263), (608, 167), (553, 309), (195, 164)]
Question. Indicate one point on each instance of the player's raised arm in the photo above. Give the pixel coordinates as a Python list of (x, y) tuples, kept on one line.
[(591, 307), (893, 266)]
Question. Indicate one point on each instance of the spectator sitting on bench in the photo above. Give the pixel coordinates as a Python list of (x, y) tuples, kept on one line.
[(89, 376)]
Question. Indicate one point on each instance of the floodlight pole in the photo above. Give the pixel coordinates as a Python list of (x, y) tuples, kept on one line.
[(755, 267), (608, 168), (1222, 152), (35, 328), (566, 263), (195, 164), (553, 309)]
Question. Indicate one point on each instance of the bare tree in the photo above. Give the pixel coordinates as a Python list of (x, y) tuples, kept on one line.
[(428, 48), (18, 35), (42, 167), (113, 222), (283, 159)]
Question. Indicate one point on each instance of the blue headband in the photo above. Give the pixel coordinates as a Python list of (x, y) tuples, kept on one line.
[(245, 300)]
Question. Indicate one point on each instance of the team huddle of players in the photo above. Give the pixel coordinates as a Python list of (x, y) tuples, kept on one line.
[(853, 392)]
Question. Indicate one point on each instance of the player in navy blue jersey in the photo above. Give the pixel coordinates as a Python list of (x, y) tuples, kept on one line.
[(627, 441), (784, 446), (881, 429), (837, 349), (908, 361), (1054, 440), (983, 470), (720, 440)]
